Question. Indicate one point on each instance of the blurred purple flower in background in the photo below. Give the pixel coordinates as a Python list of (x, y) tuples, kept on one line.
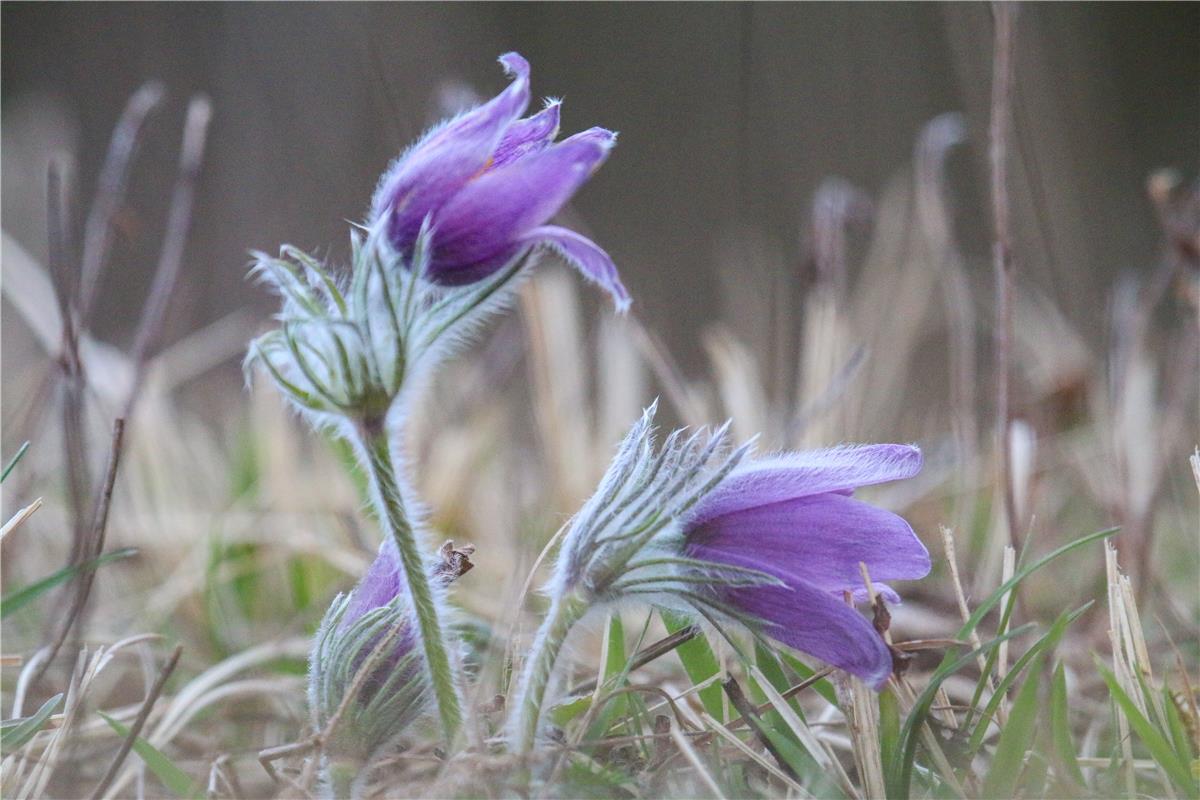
[(792, 517), (485, 184)]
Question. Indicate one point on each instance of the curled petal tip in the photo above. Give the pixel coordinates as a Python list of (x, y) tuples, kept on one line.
[(515, 64), (587, 257)]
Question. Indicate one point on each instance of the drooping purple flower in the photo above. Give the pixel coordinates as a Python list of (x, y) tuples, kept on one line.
[(695, 525), (486, 183), (793, 517)]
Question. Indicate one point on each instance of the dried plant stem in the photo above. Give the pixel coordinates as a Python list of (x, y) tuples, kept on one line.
[(385, 493), (738, 698), (136, 728), (179, 222), (965, 613), (110, 192), (74, 438), (90, 549), (998, 129), (539, 666), (647, 654)]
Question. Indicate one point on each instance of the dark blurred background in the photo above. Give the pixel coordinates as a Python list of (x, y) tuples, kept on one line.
[(730, 116)]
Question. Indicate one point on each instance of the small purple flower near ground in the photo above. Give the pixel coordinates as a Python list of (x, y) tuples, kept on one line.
[(487, 182), (380, 587), (792, 517), (375, 621)]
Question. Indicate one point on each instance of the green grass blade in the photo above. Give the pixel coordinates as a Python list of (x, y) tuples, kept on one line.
[(12, 462), (700, 664), (801, 762), (771, 667), (11, 603), (1046, 642), (1157, 745), (565, 712), (16, 732), (1016, 739), (889, 726), (899, 772), (822, 687), (994, 598), (615, 669), (1060, 726), (1183, 746), (174, 778)]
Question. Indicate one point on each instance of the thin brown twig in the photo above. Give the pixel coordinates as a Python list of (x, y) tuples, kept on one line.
[(136, 728), (644, 656), (73, 437), (749, 714), (811, 680), (99, 529), (179, 220), (110, 193)]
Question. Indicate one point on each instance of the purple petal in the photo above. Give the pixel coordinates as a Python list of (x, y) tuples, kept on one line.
[(501, 206), (382, 582), (888, 594), (432, 170), (448, 274), (527, 136), (791, 475), (587, 257), (813, 621), (820, 539)]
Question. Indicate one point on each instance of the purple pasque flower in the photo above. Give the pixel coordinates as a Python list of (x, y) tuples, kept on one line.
[(383, 585), (693, 524), (486, 183), (395, 689), (792, 517), (373, 622)]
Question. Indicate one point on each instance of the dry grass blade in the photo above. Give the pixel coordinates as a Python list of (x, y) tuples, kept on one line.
[(15, 521), (1004, 15), (689, 752), (644, 656), (729, 736)]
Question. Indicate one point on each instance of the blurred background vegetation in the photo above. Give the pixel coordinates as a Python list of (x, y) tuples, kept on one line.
[(730, 116)]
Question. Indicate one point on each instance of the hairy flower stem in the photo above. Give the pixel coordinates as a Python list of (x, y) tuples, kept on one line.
[(385, 493), (539, 666), (341, 780)]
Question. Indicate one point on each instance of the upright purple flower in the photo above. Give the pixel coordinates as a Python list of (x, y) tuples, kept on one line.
[(485, 184), (792, 517)]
